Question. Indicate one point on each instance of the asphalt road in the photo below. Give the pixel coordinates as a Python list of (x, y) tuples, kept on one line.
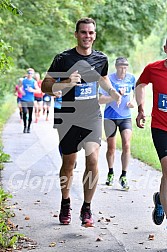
[(123, 220)]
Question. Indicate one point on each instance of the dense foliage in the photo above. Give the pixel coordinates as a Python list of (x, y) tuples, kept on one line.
[(33, 31)]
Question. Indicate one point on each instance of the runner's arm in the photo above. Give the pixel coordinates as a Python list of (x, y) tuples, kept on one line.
[(50, 86), (103, 99), (105, 83), (140, 99)]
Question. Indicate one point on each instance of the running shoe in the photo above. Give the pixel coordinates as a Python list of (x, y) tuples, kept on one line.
[(65, 215), (24, 130), (86, 217), (124, 183), (110, 179), (28, 130), (158, 212)]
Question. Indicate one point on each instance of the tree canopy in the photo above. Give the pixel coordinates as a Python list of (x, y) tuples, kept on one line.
[(34, 31)]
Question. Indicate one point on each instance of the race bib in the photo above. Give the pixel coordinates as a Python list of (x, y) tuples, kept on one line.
[(86, 91), (162, 102), (125, 88)]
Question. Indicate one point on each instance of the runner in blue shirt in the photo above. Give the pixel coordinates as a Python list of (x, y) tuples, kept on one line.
[(28, 87), (120, 117)]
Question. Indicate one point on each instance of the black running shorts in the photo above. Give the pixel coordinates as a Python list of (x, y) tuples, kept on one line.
[(160, 141), (73, 137), (110, 126)]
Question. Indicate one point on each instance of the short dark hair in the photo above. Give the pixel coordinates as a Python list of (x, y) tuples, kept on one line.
[(85, 20)]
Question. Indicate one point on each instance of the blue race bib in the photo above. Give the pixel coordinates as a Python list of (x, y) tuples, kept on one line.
[(162, 102), (127, 88), (86, 91)]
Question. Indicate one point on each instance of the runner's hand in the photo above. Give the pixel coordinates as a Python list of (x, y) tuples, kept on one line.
[(130, 104), (75, 79), (140, 120), (30, 89), (116, 96)]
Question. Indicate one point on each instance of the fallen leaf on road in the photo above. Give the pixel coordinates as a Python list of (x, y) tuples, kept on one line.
[(10, 224), (25, 242), (99, 239), (16, 203), (151, 237), (27, 218), (52, 244), (102, 218)]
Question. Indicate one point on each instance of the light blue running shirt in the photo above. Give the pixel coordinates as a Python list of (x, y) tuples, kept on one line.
[(28, 96), (58, 102), (112, 111)]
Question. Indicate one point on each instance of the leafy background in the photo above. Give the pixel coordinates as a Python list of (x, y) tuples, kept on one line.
[(40, 29)]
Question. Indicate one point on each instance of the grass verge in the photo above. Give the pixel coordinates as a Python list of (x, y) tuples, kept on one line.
[(7, 239), (142, 147)]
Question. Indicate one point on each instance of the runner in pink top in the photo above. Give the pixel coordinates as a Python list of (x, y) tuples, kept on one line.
[(19, 96)]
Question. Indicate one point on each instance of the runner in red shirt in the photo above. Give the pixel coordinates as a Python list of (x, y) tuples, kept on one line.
[(156, 73)]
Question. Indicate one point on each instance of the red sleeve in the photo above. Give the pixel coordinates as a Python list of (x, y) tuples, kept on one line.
[(145, 75)]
